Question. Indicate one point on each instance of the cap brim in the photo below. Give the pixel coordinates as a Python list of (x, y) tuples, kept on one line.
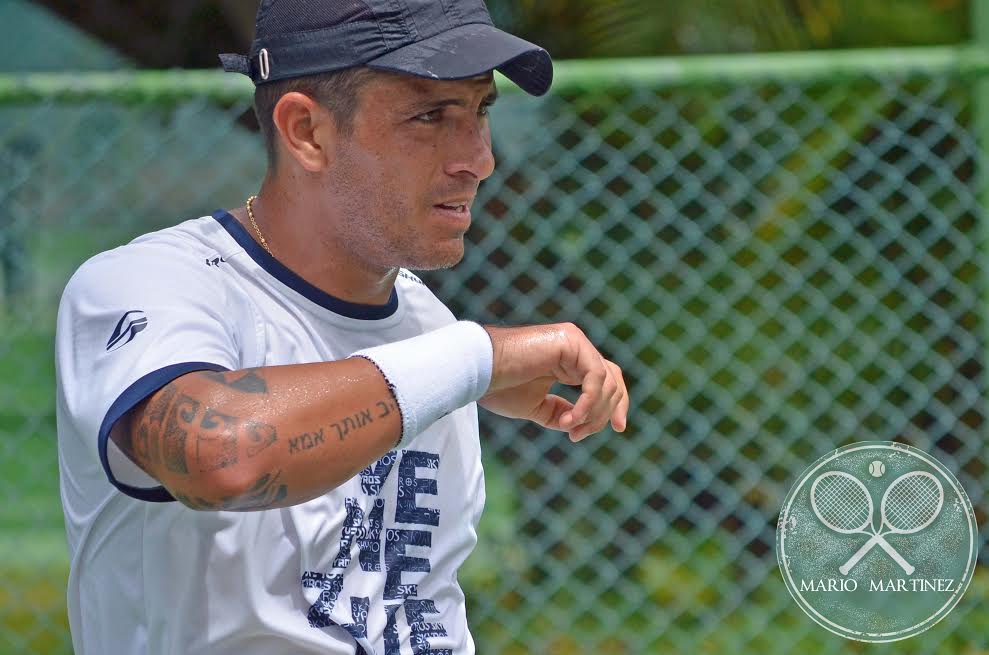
[(471, 50)]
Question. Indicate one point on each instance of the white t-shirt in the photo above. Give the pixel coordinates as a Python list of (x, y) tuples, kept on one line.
[(369, 567)]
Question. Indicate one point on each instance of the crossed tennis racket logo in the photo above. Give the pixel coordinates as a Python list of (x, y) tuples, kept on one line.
[(843, 504)]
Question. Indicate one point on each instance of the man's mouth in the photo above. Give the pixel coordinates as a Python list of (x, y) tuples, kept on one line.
[(459, 208)]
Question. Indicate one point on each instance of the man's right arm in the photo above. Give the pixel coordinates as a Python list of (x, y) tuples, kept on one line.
[(281, 435), (260, 438)]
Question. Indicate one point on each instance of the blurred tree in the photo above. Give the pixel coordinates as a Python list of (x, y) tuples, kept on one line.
[(189, 33), (183, 33), (618, 28)]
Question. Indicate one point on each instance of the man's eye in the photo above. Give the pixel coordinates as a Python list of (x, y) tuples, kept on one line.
[(484, 110), (430, 116)]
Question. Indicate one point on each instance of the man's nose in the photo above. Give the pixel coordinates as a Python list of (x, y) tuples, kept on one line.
[(472, 150)]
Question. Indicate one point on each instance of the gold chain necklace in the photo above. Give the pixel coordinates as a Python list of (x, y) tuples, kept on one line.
[(250, 215)]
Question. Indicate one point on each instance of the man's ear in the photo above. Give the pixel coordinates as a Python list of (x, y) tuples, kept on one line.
[(306, 130)]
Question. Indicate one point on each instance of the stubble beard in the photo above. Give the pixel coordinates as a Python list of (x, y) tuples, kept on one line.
[(375, 236), (381, 232)]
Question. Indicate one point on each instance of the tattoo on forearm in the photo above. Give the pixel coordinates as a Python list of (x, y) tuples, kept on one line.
[(266, 492), (158, 409), (342, 429), (172, 425), (353, 423), (142, 445), (305, 441), (180, 418), (386, 408), (260, 436), (249, 381), (126, 442), (217, 448), (194, 502)]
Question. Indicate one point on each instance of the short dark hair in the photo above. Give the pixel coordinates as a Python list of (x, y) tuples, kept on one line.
[(337, 91)]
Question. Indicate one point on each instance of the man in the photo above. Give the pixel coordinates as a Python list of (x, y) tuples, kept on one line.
[(276, 370)]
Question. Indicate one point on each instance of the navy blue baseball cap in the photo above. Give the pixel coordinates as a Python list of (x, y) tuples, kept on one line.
[(437, 39)]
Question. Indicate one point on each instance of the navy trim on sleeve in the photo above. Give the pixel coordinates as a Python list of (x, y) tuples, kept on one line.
[(131, 396), (292, 280)]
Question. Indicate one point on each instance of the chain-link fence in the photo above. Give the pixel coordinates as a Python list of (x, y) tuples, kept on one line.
[(782, 261)]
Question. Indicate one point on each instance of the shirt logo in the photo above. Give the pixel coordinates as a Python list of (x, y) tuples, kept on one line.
[(127, 328)]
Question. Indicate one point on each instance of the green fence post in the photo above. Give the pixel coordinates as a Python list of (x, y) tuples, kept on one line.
[(980, 119)]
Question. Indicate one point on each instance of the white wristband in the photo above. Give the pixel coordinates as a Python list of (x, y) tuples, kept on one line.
[(434, 373)]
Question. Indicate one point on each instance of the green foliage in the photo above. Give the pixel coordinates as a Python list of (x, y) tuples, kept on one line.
[(33, 559), (33, 617), (674, 597), (618, 28), (499, 552)]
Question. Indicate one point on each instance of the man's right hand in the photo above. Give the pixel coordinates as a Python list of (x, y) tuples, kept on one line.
[(529, 360)]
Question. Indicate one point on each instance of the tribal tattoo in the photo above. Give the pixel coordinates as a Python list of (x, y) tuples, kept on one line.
[(174, 422), (266, 492), (249, 381), (217, 448), (180, 418)]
